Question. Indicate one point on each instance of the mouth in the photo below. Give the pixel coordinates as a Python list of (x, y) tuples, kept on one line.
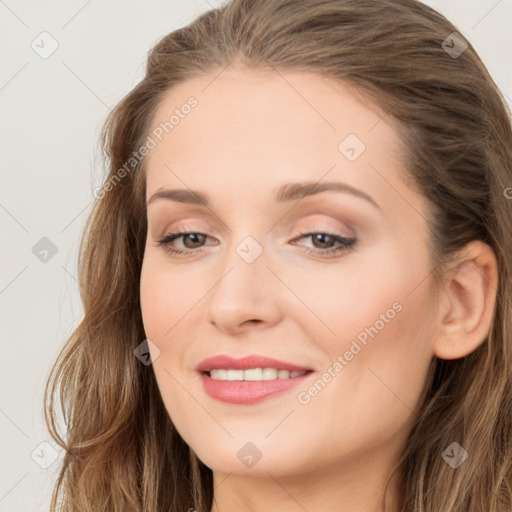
[(250, 379), (254, 374)]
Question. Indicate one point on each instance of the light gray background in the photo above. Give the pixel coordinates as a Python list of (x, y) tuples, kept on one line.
[(52, 111)]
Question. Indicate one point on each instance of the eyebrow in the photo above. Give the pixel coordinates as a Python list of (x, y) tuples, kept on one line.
[(287, 192)]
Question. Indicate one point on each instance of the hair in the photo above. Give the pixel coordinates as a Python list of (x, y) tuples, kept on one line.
[(122, 452)]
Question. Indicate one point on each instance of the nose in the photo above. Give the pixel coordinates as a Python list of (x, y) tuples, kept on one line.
[(246, 294)]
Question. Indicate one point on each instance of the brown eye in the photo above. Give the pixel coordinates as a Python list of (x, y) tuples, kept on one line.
[(325, 244), (195, 240), (190, 242), (324, 240)]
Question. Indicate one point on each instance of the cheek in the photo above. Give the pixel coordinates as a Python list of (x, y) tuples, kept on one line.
[(385, 305), (386, 353), (162, 307), (151, 300), (165, 297), (370, 396), (384, 328), (360, 305)]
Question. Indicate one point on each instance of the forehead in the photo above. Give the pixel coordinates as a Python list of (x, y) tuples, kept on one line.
[(265, 127), (258, 99)]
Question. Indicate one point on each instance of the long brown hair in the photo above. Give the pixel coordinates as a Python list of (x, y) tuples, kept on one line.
[(122, 450)]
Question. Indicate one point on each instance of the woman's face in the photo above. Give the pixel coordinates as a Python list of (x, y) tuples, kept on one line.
[(334, 281)]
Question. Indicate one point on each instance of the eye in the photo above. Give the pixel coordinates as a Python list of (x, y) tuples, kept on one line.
[(191, 240), (324, 243)]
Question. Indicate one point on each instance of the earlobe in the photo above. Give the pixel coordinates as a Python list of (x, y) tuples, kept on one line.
[(469, 298)]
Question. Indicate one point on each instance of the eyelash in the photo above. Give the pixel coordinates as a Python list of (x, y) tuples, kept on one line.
[(347, 243)]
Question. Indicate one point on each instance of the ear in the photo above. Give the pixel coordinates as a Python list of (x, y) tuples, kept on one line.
[(467, 305)]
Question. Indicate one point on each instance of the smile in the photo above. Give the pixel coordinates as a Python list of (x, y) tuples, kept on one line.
[(254, 374)]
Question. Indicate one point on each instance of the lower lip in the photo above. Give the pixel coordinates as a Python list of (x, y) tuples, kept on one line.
[(248, 392)]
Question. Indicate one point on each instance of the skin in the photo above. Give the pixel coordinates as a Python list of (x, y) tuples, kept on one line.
[(251, 132)]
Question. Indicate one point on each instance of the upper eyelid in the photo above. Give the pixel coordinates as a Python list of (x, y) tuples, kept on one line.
[(346, 230), (215, 229)]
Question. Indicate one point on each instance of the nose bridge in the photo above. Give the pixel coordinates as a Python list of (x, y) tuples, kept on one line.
[(244, 291)]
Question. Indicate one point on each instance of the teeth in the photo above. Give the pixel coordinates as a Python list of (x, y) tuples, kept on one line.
[(253, 374)]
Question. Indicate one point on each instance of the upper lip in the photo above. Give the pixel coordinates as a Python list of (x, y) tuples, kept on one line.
[(245, 363)]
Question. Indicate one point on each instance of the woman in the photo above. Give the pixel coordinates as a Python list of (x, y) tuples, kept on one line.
[(306, 230)]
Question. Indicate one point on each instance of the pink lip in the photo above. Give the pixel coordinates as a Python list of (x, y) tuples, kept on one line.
[(247, 392), (252, 361)]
